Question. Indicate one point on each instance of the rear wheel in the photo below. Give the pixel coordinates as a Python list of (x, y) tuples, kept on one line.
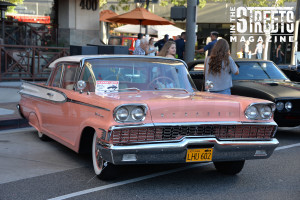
[(230, 167), (43, 137), (103, 169)]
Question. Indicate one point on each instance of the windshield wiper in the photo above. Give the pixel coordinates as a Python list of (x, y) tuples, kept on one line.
[(138, 90), (181, 89)]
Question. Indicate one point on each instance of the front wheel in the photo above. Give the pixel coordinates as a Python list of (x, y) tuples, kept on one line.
[(103, 169), (230, 167)]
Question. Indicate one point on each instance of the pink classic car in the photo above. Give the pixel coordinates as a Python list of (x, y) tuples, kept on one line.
[(145, 110)]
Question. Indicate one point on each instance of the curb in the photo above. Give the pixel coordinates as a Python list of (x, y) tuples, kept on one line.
[(13, 124), (17, 130)]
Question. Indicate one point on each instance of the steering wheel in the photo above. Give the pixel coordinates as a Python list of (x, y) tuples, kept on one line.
[(158, 78), (113, 76)]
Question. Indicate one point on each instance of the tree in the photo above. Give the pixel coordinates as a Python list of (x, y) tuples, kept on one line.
[(124, 4), (11, 9), (249, 3)]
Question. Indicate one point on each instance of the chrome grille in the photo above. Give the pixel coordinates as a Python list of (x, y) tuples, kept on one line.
[(163, 133)]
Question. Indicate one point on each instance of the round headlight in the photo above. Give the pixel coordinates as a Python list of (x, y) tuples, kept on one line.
[(279, 105), (288, 106), (266, 112), (122, 114), (137, 113), (251, 112)]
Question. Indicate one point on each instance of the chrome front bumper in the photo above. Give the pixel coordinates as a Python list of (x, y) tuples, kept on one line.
[(175, 152)]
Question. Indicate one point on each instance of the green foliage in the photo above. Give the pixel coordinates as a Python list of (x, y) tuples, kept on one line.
[(123, 4), (250, 3), (11, 9)]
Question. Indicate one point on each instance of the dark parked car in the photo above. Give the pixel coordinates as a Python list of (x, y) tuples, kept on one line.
[(291, 71), (261, 79)]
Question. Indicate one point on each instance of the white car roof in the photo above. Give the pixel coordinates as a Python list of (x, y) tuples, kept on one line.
[(78, 58)]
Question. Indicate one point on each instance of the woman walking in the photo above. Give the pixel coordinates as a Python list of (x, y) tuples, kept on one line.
[(219, 67)]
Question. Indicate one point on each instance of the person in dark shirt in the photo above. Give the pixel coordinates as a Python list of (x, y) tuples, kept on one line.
[(180, 45), (160, 43), (214, 36)]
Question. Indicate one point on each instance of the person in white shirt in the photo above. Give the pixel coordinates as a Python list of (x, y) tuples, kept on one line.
[(259, 50), (138, 41)]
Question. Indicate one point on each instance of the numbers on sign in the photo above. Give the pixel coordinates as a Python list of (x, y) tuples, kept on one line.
[(89, 4)]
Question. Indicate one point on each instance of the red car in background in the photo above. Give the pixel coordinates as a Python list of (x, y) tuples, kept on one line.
[(124, 41)]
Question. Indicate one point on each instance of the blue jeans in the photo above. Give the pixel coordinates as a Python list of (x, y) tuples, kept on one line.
[(226, 91), (258, 55)]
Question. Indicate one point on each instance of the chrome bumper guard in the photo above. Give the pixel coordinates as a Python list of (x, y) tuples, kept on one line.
[(175, 152)]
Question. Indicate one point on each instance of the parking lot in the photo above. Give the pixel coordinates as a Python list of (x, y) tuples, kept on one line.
[(32, 169)]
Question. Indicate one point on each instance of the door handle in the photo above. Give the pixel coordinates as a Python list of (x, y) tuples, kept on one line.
[(50, 94)]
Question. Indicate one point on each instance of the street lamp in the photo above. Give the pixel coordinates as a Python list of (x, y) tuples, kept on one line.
[(3, 8)]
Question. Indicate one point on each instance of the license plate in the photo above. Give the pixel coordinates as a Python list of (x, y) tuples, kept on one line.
[(199, 155)]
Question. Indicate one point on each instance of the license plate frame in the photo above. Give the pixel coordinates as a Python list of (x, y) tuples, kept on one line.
[(199, 155)]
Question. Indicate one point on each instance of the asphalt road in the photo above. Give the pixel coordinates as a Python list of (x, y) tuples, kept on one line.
[(32, 169)]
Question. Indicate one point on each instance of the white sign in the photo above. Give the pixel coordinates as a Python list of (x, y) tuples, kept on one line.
[(106, 86)]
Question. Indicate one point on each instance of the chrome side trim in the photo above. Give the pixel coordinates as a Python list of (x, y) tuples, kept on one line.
[(193, 141), (116, 127), (86, 104), (42, 92)]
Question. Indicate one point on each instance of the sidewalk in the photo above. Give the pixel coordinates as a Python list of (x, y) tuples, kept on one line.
[(9, 98)]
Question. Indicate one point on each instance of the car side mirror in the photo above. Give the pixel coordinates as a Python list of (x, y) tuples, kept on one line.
[(81, 85), (208, 85)]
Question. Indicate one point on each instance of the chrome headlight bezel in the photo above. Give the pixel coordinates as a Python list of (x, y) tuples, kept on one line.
[(279, 105), (288, 106), (262, 111), (251, 112), (136, 113), (284, 105), (121, 111), (266, 112)]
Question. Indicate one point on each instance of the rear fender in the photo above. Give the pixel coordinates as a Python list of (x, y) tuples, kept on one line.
[(34, 121)]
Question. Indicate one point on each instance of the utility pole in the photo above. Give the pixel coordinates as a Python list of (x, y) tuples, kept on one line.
[(147, 7), (191, 21), (296, 37)]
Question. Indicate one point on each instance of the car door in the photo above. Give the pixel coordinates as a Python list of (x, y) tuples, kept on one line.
[(59, 118)]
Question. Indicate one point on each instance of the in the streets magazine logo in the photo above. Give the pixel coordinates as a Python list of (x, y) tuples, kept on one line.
[(268, 24)]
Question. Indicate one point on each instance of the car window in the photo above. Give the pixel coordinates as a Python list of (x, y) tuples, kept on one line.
[(57, 76), (198, 67), (144, 74), (89, 78), (69, 77), (258, 71)]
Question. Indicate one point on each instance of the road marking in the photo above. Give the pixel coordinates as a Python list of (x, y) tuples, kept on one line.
[(287, 146), (127, 181), (75, 194)]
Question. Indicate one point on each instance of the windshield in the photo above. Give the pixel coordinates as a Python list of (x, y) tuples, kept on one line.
[(108, 74), (258, 71)]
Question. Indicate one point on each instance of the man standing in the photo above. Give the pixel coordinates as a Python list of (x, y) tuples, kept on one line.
[(161, 43), (214, 36), (138, 41), (180, 45), (259, 50)]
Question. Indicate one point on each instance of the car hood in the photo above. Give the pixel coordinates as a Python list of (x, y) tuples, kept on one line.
[(179, 106), (274, 89)]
